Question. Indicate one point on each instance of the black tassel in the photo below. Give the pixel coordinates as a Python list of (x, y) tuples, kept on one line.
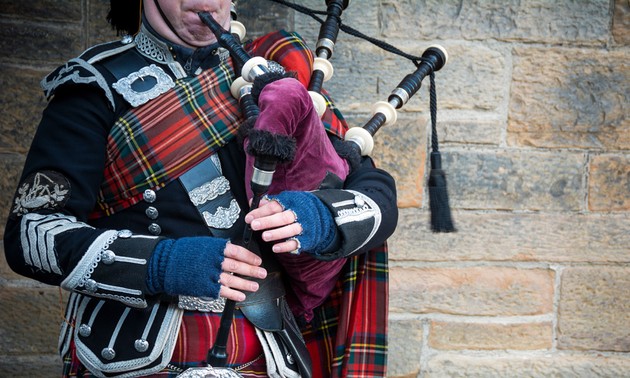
[(441, 220)]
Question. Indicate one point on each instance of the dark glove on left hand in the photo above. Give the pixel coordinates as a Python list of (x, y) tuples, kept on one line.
[(319, 230)]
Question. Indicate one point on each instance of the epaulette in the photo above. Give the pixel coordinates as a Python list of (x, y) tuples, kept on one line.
[(81, 70)]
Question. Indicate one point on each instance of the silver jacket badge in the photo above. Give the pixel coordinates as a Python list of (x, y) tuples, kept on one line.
[(137, 98)]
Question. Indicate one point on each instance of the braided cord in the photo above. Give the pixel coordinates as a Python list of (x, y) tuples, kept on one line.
[(384, 46), (433, 111), (349, 30)]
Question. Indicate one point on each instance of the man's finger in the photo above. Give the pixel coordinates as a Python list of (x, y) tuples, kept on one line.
[(231, 294), (286, 246), (264, 210), (231, 266), (273, 221), (238, 283), (239, 253), (289, 231)]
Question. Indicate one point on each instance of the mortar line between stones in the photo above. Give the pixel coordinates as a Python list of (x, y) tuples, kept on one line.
[(425, 350), (556, 305), (479, 319), (585, 180)]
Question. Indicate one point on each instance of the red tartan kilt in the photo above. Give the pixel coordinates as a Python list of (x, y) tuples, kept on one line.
[(196, 336)]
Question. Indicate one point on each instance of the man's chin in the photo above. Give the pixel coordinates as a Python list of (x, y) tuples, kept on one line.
[(201, 42)]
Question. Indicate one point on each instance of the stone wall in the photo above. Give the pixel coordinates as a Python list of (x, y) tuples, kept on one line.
[(535, 138)]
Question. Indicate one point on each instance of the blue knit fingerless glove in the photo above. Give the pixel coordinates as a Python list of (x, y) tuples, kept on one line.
[(186, 266), (319, 230)]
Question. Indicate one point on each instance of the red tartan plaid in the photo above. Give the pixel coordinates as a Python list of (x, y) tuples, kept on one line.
[(197, 335), (157, 142), (348, 337)]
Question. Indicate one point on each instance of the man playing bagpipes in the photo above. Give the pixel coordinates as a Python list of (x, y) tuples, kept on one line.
[(133, 199)]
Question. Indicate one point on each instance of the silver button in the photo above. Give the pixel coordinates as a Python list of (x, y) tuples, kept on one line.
[(359, 201), (85, 330), (151, 212), (155, 229), (108, 353), (108, 257), (91, 286), (126, 39), (141, 345), (125, 234), (149, 196)]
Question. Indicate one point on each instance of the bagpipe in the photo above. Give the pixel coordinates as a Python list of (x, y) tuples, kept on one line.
[(284, 123), (273, 137)]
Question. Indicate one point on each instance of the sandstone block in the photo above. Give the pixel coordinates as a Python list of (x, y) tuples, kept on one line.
[(514, 179), (401, 150), (41, 366), (471, 130), (40, 43), (621, 22), (453, 335), (44, 10), (548, 365), (519, 21), (21, 103), (487, 291), (467, 82), (257, 22), (363, 16), (570, 98), (405, 347), (30, 320), (609, 183), (513, 237), (594, 309), (99, 30)]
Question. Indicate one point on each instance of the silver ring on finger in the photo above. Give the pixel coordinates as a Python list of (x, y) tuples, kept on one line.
[(296, 251)]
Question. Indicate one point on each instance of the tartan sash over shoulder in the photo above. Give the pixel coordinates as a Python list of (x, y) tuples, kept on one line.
[(157, 142)]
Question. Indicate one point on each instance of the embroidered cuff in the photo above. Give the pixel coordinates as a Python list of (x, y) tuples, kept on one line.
[(357, 217), (111, 266)]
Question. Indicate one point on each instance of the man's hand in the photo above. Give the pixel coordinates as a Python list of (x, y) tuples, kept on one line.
[(239, 261), (279, 225), (203, 266), (297, 221)]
